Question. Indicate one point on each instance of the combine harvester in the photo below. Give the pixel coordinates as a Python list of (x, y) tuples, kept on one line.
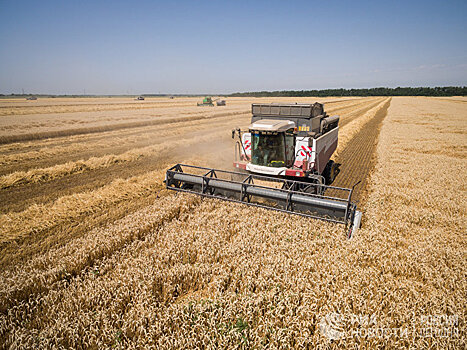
[(283, 163), (207, 101)]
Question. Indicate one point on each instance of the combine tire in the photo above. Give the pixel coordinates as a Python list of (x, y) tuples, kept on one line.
[(330, 172)]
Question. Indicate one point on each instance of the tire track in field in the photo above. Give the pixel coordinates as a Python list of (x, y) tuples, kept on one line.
[(357, 159), (451, 100)]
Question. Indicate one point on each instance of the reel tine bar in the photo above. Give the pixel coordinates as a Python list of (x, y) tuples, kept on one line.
[(290, 198)]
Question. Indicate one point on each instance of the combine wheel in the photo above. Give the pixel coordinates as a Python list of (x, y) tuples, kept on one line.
[(309, 187), (330, 172)]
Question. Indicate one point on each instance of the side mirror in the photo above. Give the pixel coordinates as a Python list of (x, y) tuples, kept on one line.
[(236, 130)]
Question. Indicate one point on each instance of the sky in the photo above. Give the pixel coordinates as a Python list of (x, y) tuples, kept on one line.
[(195, 47)]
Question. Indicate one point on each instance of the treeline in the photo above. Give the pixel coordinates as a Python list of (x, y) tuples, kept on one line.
[(380, 91)]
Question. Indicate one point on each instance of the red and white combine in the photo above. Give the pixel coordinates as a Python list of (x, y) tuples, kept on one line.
[(292, 141), (283, 163)]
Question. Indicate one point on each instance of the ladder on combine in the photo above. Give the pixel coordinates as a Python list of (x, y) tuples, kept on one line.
[(290, 196)]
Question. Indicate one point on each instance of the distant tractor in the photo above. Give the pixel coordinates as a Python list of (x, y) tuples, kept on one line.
[(139, 98), (31, 98), (221, 103)]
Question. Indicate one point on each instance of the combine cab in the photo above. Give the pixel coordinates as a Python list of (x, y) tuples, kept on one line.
[(290, 141), (283, 163)]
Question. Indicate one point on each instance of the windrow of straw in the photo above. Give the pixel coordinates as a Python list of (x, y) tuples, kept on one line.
[(41, 150), (60, 131), (47, 174), (191, 119), (38, 218)]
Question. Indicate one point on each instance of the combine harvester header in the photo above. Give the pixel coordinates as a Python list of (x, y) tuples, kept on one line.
[(283, 163), (268, 192)]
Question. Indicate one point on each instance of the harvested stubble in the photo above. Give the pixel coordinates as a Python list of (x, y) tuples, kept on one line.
[(40, 175), (52, 106), (68, 146), (38, 126), (45, 148), (214, 274), (357, 156), (61, 170), (56, 129), (353, 125), (38, 218)]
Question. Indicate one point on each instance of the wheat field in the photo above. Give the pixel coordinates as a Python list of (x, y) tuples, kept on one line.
[(96, 253)]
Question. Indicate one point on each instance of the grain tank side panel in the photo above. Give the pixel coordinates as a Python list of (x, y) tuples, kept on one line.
[(325, 147)]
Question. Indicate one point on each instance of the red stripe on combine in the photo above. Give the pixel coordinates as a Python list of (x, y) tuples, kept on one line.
[(291, 172), (239, 165)]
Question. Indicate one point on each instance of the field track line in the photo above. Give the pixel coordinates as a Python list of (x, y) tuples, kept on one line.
[(358, 112), (97, 107), (358, 159), (85, 108), (451, 100), (38, 136), (98, 129)]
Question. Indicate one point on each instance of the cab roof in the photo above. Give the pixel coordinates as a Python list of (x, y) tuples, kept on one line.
[(272, 125)]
